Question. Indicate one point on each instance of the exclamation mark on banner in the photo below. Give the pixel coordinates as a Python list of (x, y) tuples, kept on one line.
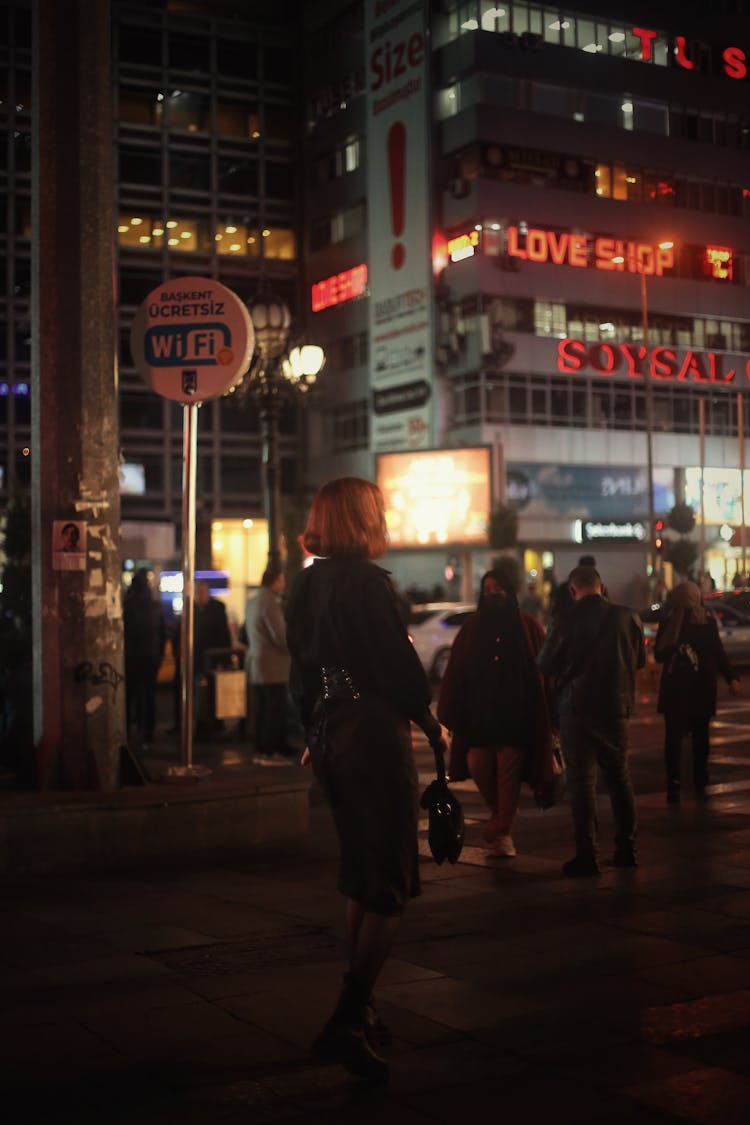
[(397, 176)]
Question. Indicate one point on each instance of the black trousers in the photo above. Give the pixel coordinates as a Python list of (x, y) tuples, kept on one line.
[(269, 704), (591, 744), (676, 728)]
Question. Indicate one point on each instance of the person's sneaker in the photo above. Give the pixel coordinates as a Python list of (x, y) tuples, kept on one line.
[(502, 847), (625, 857), (580, 866)]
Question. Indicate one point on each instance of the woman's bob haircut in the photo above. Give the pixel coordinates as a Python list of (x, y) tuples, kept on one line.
[(347, 520)]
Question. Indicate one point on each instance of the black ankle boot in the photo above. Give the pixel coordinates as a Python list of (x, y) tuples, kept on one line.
[(344, 1040)]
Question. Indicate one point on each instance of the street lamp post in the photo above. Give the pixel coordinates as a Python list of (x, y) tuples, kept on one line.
[(272, 375)]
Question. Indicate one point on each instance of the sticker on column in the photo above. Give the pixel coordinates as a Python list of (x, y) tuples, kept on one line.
[(68, 545)]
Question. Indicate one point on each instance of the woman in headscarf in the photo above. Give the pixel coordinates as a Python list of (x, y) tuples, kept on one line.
[(497, 705), (689, 646)]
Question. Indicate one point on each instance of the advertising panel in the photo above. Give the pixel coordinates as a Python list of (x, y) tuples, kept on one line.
[(600, 493), (398, 192), (436, 497)]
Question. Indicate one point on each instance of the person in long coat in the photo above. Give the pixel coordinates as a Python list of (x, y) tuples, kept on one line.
[(689, 647), (497, 705), (358, 682), (145, 635)]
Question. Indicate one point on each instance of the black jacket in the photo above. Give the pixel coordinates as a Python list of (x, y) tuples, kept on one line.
[(694, 697), (344, 613), (593, 652)]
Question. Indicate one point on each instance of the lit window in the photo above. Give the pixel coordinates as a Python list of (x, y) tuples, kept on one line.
[(279, 242)]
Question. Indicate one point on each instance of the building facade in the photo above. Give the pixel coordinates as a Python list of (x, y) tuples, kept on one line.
[(206, 102), (511, 226), (588, 202)]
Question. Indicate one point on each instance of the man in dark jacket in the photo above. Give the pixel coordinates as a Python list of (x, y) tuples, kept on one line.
[(593, 651)]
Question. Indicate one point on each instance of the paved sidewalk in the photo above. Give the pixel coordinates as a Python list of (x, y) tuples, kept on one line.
[(190, 994)]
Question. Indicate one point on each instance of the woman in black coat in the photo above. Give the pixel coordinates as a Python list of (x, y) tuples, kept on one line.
[(357, 682), (689, 646)]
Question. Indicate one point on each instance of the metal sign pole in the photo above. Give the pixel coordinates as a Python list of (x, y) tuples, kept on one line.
[(189, 457)]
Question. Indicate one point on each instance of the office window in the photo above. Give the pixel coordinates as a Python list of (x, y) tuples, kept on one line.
[(189, 53), (280, 123), (279, 242), (190, 171), (239, 475), (140, 46), (188, 111), (238, 239), (140, 165), (238, 119), (237, 175), (280, 180), (141, 411), (139, 106), (237, 59)]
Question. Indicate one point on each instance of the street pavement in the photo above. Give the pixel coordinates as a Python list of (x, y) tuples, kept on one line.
[(191, 993)]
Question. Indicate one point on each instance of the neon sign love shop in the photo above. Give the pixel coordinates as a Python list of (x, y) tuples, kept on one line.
[(639, 362), (566, 249)]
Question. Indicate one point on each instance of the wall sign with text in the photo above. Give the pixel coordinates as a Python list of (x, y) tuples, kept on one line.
[(663, 364)]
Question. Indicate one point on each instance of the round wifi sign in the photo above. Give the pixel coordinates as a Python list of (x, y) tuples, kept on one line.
[(192, 339)]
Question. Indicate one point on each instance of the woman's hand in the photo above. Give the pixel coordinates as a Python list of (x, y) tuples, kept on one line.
[(305, 759)]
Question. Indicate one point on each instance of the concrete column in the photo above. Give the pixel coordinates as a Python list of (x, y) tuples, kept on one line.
[(77, 615)]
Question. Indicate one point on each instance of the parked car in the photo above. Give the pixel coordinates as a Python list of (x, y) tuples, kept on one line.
[(433, 627), (733, 622)]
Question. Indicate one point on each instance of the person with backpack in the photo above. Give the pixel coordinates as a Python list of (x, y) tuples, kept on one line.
[(689, 647), (593, 651)]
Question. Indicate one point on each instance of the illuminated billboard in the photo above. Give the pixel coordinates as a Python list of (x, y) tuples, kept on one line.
[(438, 497)]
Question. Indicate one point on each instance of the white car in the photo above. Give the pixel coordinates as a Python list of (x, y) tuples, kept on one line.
[(433, 627)]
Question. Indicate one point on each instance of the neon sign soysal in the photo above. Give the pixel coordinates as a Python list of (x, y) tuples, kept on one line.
[(638, 362)]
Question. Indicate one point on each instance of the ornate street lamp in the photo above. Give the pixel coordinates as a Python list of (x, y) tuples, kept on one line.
[(273, 375)]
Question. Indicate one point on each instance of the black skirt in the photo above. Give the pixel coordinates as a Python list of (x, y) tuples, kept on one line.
[(362, 757)]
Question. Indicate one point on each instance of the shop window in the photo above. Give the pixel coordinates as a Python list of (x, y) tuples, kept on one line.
[(279, 242), (238, 119), (634, 186), (139, 106), (237, 176), (139, 45), (189, 52), (188, 111), (22, 342), (238, 59), (23, 467)]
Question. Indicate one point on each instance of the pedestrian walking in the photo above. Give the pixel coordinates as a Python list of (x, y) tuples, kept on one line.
[(497, 704), (269, 664), (357, 682), (593, 651), (145, 635), (689, 647)]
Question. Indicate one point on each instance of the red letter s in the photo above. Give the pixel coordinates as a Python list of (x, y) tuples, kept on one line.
[(734, 62)]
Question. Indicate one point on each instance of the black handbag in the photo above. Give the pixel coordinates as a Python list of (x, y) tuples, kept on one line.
[(446, 817)]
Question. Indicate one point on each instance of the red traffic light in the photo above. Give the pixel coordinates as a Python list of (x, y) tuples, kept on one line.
[(659, 534)]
